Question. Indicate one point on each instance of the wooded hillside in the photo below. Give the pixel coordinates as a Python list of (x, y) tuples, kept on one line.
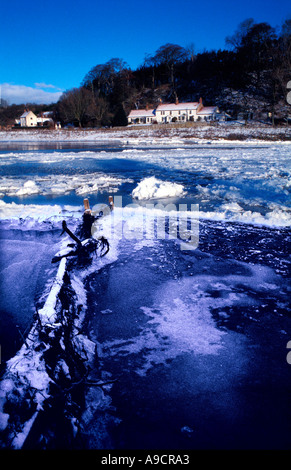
[(248, 79)]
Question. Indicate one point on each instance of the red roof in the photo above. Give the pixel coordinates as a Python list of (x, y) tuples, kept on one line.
[(207, 110)]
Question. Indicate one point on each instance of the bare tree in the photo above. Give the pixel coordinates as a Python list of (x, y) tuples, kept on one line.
[(101, 78), (191, 51), (98, 111), (74, 105), (168, 55), (235, 40)]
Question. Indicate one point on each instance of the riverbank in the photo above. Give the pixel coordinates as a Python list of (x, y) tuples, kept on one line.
[(187, 132)]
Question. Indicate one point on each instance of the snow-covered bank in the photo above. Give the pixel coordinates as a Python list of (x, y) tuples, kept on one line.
[(139, 218), (28, 211), (229, 131)]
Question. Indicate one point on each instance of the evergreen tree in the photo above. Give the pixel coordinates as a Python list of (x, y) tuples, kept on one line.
[(120, 118)]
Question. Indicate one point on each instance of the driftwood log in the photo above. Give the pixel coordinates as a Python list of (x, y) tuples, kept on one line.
[(82, 249), (50, 374)]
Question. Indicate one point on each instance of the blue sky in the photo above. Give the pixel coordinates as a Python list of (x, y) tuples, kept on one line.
[(48, 47)]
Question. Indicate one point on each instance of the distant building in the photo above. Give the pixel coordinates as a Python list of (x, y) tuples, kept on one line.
[(174, 112), (141, 116), (29, 119)]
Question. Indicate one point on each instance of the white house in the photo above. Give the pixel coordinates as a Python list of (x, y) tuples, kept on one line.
[(141, 116), (29, 119), (208, 113), (174, 112)]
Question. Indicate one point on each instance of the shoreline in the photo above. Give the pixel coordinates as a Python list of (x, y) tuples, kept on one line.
[(202, 133)]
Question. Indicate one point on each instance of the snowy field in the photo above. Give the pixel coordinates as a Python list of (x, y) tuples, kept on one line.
[(189, 311), (201, 133)]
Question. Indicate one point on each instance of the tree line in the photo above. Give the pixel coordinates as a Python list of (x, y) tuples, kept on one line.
[(251, 72)]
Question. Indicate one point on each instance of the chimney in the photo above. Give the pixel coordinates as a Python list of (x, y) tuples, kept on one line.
[(200, 105), (147, 107), (177, 100)]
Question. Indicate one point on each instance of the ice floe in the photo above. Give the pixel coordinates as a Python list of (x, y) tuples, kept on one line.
[(153, 188), (83, 184)]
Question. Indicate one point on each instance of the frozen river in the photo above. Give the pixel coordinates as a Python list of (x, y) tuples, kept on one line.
[(195, 338)]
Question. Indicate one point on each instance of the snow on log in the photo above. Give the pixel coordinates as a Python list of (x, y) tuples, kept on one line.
[(48, 314)]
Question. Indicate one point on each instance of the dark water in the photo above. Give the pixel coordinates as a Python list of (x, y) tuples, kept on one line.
[(173, 389), (25, 273)]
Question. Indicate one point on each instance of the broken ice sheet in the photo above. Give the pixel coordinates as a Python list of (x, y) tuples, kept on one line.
[(181, 319), (176, 325)]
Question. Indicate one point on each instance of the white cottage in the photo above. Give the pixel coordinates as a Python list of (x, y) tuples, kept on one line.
[(174, 112), (141, 116), (28, 119), (208, 113), (183, 112)]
